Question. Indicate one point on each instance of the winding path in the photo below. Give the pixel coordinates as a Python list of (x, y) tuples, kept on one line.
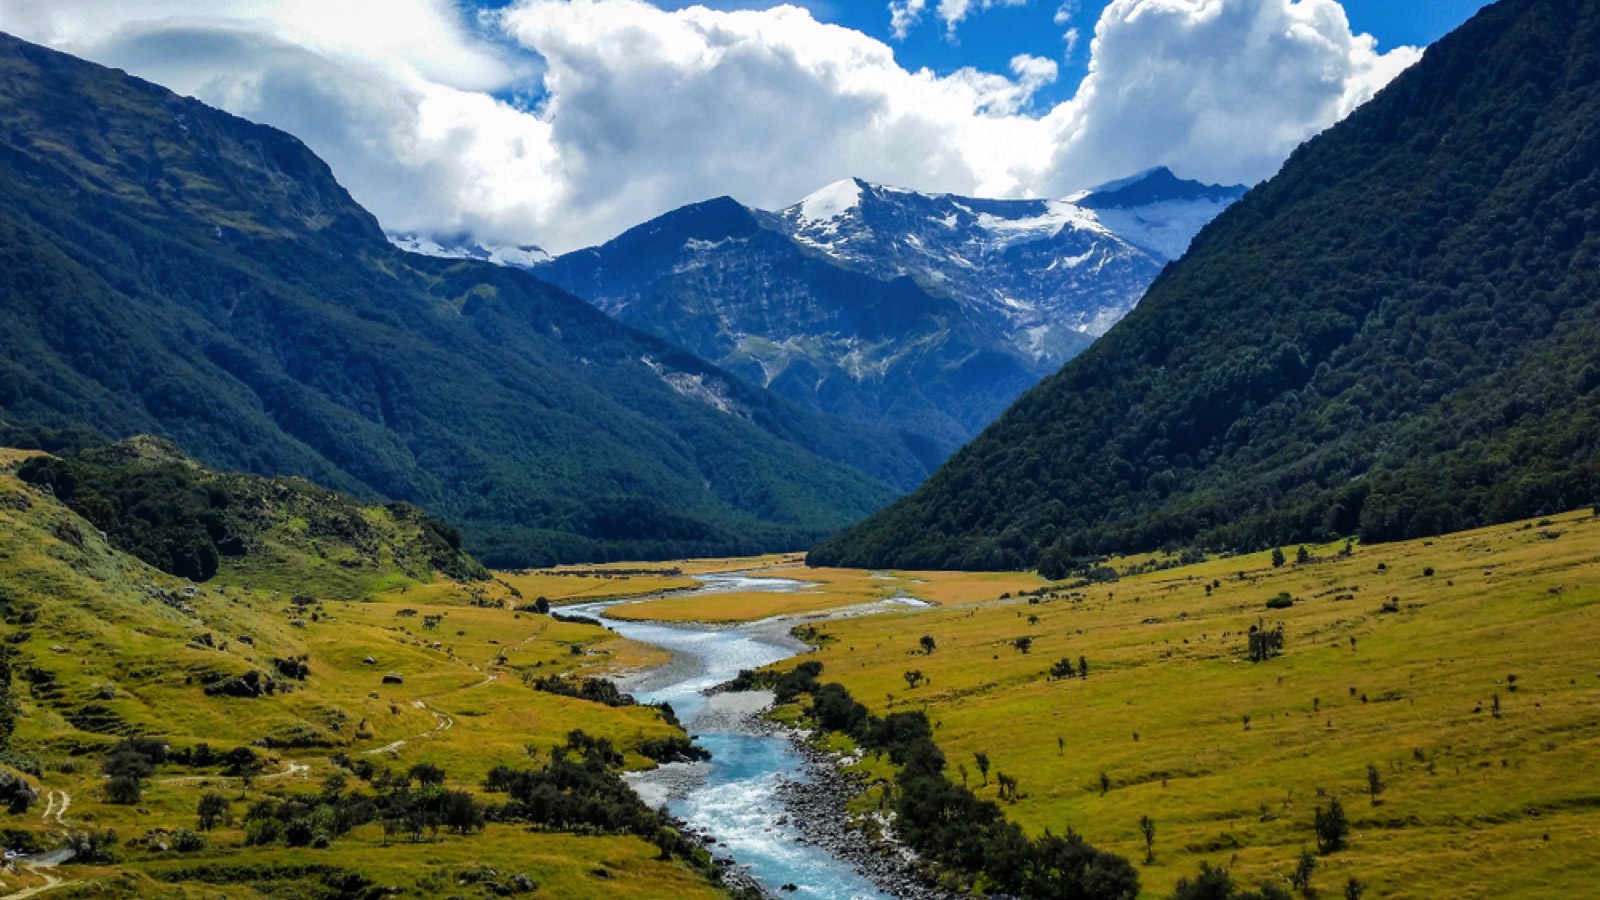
[(53, 812), (445, 724)]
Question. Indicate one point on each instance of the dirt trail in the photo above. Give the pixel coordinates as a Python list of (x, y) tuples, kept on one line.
[(290, 768), (51, 882), (55, 808), (445, 723)]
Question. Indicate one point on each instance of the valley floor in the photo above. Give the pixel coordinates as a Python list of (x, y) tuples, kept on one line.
[(1461, 669)]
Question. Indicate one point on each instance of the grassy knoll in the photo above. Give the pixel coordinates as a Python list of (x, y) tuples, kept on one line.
[(1394, 657), (103, 647)]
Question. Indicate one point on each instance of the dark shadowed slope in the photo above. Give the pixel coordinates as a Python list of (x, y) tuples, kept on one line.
[(1395, 337)]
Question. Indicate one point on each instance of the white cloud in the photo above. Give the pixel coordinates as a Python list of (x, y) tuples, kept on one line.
[(640, 110), (905, 14), (1219, 88)]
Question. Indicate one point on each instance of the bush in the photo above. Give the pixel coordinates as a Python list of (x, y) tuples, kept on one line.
[(124, 790), (1282, 601), (186, 841), (261, 832), (91, 846)]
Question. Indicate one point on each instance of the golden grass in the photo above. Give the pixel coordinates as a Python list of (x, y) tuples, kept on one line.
[(1476, 806), (829, 589)]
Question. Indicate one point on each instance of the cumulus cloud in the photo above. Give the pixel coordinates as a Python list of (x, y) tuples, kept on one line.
[(1221, 88), (563, 122)]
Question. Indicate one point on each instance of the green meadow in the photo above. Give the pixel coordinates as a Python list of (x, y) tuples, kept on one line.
[(1463, 670)]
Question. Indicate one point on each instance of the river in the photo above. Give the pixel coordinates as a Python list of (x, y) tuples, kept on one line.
[(734, 797)]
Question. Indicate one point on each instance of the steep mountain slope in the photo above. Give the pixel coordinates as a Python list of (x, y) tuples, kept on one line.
[(1394, 337), (166, 268), (923, 313)]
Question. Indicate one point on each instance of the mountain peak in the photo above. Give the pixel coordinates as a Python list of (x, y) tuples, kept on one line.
[(1157, 185), (833, 201)]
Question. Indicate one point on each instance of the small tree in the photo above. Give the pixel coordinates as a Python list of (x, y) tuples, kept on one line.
[(1105, 784), (1265, 643), (213, 810), (982, 761), (1354, 889), (1302, 556), (1033, 620), (928, 644), (1278, 558), (1304, 868), (1331, 826), (243, 763), (1147, 827), (333, 786), (1023, 644), (913, 678), (1083, 667), (426, 773), (1375, 783)]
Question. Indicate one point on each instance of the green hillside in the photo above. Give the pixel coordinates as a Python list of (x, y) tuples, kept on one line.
[(284, 533), (347, 737), (1394, 337), (169, 269)]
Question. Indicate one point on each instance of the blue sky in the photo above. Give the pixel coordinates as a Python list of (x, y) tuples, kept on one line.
[(988, 40)]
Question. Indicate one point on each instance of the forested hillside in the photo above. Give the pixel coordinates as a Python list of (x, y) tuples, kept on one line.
[(1394, 337), (169, 269)]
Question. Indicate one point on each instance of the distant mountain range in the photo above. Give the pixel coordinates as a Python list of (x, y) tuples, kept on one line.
[(924, 313), (1395, 337), (167, 268)]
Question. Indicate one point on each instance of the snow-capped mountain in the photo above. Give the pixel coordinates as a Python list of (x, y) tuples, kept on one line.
[(462, 247), (926, 312)]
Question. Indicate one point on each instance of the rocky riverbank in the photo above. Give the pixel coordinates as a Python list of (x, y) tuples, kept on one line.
[(817, 807)]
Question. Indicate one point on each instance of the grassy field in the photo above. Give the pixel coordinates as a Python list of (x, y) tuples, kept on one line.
[(829, 589), (103, 646), (1395, 658)]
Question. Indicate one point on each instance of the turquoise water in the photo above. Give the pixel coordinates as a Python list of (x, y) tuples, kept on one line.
[(734, 797)]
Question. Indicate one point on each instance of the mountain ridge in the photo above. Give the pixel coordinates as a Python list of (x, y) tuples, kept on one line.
[(171, 269), (985, 297)]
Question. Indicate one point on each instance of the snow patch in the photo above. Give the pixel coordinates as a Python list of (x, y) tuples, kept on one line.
[(1165, 229), (526, 257), (831, 202), (1058, 215)]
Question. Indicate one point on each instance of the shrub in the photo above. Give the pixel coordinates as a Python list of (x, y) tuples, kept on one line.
[(186, 841), (261, 832), (124, 790)]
